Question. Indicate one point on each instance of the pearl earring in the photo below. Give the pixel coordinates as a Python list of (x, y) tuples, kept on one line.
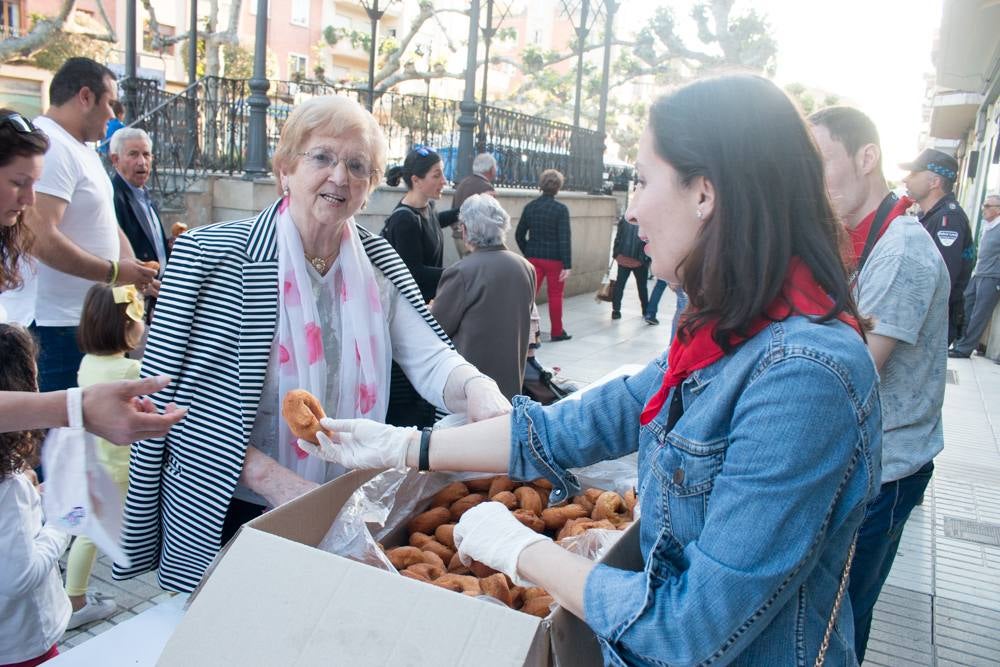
[(698, 213), (284, 192)]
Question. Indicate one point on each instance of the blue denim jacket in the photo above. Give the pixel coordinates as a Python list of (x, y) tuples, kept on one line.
[(749, 505)]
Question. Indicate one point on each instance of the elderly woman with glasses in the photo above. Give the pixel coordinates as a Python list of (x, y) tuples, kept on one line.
[(484, 300), (298, 297)]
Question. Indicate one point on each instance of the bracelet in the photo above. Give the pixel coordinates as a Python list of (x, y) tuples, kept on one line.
[(74, 407), (112, 272), (424, 460), (465, 387)]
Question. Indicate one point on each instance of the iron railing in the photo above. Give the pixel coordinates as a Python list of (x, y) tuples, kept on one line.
[(204, 129)]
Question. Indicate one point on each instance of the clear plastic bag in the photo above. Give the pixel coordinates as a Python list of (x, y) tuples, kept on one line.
[(380, 507)]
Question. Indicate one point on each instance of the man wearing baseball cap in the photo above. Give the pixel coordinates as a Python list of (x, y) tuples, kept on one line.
[(931, 182)]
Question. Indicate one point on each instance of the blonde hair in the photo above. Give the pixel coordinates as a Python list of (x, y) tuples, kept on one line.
[(550, 182), (334, 115)]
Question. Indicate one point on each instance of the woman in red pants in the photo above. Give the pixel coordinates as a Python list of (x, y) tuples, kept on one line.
[(544, 239)]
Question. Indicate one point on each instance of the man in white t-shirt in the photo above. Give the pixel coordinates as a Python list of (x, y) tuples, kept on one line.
[(77, 237), (902, 285)]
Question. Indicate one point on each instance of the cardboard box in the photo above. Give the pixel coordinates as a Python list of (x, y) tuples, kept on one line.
[(274, 599)]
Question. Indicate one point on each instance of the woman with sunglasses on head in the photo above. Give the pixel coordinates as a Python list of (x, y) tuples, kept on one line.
[(299, 297), (414, 227), (758, 432), (22, 147)]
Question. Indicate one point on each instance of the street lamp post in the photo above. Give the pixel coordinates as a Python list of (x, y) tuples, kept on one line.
[(130, 69), (467, 119), (374, 15), (192, 110), (488, 33), (611, 6), (581, 43), (256, 164)]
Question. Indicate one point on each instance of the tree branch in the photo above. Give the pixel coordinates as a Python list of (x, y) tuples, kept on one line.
[(41, 33), (107, 23)]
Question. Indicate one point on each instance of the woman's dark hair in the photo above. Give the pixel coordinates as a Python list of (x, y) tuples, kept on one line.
[(104, 325), (418, 162), (743, 135), (19, 449), (14, 143)]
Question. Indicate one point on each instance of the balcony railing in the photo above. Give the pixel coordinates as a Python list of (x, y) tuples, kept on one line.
[(204, 129)]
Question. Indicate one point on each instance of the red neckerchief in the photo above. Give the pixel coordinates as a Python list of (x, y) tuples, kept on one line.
[(800, 294), (859, 235)]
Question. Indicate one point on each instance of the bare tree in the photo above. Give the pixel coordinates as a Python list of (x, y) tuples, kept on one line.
[(45, 30), (214, 38)]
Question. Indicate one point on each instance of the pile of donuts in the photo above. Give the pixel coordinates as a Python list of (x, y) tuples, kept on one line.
[(431, 556)]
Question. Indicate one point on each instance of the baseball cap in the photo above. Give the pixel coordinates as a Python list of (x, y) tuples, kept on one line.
[(934, 161)]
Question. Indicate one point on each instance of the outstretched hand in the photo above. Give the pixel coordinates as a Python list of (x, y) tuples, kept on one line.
[(120, 412), (362, 444)]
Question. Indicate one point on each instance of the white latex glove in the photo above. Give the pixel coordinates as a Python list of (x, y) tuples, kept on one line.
[(484, 400), (361, 444), (490, 534)]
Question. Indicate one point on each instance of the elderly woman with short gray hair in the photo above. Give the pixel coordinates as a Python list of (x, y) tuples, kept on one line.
[(484, 301)]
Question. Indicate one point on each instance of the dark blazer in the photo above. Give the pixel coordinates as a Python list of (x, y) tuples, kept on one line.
[(484, 304), (132, 220)]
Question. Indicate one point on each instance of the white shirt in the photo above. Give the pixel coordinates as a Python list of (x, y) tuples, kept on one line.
[(18, 305), (73, 172), (34, 609)]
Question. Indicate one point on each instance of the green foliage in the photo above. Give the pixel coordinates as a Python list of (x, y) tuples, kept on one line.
[(238, 61), (200, 65), (63, 45)]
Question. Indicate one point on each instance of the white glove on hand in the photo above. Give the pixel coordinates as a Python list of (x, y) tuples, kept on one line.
[(483, 400), (490, 534), (361, 444)]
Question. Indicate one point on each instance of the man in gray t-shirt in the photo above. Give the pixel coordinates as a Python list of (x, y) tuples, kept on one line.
[(983, 291), (902, 285)]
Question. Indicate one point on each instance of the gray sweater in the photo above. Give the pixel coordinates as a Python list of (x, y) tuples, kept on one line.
[(988, 260)]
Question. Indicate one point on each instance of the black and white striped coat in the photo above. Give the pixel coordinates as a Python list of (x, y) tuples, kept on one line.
[(215, 322)]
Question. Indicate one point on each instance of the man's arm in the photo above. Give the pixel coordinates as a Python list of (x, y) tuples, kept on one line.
[(57, 250), (881, 348)]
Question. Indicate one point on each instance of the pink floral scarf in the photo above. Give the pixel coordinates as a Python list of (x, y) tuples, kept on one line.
[(365, 352)]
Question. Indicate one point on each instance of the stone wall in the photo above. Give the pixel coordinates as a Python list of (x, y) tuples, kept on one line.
[(593, 218)]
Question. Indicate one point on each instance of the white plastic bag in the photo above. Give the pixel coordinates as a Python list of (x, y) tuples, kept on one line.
[(80, 497)]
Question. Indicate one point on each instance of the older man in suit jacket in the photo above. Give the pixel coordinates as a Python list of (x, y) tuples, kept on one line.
[(484, 301), (132, 156), (131, 152)]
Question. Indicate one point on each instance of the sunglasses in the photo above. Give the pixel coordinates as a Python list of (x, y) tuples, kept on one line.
[(19, 123), (423, 151)]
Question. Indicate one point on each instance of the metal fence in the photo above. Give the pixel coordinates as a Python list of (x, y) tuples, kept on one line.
[(205, 129)]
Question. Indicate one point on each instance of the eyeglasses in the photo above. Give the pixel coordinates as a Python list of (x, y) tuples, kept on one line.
[(991, 205), (356, 167), (19, 123)]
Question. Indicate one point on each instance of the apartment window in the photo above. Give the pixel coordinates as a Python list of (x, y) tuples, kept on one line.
[(297, 64), (10, 20), (300, 12)]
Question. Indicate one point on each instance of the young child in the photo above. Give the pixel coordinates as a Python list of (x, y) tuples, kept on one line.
[(33, 607), (111, 325)]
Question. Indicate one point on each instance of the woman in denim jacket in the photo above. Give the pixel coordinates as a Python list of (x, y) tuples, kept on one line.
[(758, 432)]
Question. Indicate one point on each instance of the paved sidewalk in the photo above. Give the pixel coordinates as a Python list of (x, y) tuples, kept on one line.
[(941, 605)]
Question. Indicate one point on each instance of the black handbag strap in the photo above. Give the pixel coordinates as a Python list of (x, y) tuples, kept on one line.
[(880, 215)]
